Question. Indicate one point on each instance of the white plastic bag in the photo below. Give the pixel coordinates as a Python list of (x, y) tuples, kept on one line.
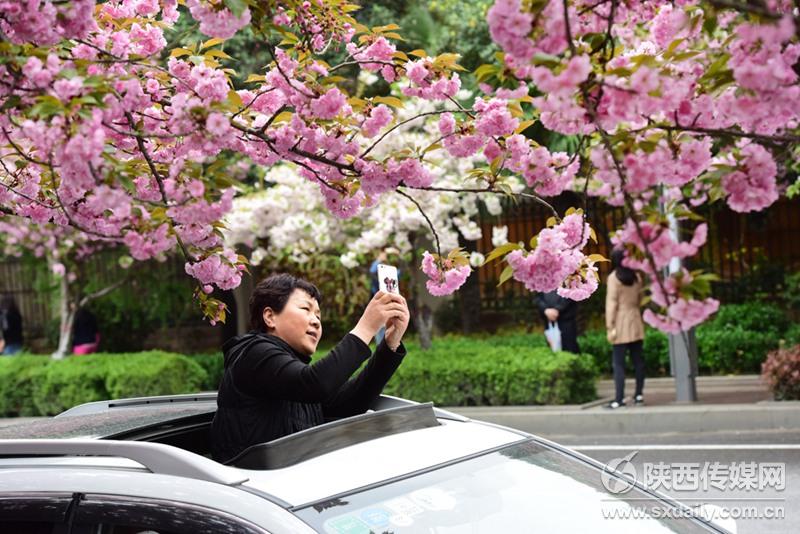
[(553, 335)]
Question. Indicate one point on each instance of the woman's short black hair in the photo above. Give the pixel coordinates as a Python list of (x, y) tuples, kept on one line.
[(624, 274), (273, 292)]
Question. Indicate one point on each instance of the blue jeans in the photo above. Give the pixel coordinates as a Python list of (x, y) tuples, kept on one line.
[(12, 348)]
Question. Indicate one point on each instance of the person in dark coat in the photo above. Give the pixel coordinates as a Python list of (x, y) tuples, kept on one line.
[(270, 388), (556, 309), (11, 326), (85, 335)]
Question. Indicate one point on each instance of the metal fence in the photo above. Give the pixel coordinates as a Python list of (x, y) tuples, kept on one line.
[(17, 278)]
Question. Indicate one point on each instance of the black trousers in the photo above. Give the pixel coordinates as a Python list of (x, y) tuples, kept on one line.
[(618, 354)]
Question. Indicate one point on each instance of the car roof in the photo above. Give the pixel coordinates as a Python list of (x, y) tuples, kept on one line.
[(398, 438), (378, 460)]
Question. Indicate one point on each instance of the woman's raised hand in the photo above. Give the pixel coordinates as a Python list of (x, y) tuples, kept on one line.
[(381, 309)]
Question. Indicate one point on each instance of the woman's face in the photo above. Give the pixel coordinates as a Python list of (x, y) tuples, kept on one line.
[(298, 323)]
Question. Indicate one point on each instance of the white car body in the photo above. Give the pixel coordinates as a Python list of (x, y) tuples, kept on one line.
[(397, 482)]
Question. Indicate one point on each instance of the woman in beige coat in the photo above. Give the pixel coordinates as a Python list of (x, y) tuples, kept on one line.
[(624, 326)]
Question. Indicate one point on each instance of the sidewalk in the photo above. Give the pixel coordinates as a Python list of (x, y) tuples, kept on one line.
[(728, 409), (742, 389)]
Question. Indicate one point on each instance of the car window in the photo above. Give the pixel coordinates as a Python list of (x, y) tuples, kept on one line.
[(100, 514), (518, 488), (34, 514)]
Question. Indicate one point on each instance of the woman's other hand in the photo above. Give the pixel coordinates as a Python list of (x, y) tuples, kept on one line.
[(397, 324), (381, 308)]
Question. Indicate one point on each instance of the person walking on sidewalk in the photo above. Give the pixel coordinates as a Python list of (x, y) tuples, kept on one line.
[(624, 326)]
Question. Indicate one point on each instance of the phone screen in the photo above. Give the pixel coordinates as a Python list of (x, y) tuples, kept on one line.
[(387, 278)]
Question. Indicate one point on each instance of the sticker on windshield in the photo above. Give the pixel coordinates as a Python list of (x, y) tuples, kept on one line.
[(403, 506), (346, 524), (375, 517), (434, 499), (401, 520)]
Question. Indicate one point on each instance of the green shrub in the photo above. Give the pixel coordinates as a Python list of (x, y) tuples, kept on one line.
[(74, 380), (18, 377), (154, 373), (655, 351), (736, 340), (732, 348), (595, 343), (753, 316), (469, 372), (37, 385), (212, 364)]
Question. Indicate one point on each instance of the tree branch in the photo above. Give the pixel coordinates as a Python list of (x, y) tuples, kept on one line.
[(430, 224)]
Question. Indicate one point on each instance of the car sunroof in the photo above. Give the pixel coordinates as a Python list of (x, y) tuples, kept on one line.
[(104, 424)]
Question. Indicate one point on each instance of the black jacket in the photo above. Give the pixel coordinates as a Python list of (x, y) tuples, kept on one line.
[(268, 390), (567, 308), (11, 325)]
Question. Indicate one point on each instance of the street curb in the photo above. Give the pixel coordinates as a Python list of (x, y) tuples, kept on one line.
[(689, 418)]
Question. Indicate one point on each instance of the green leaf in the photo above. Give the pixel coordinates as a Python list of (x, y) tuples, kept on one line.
[(392, 101), (234, 99), (524, 125), (178, 52), (387, 28), (505, 275), (211, 42), (502, 250), (217, 53), (596, 258)]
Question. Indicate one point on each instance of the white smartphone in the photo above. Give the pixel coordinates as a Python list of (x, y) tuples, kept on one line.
[(387, 278)]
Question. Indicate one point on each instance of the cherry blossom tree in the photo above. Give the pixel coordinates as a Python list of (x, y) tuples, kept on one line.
[(287, 222), (66, 251), (674, 104)]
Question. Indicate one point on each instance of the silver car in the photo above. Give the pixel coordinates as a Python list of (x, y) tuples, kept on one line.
[(143, 466)]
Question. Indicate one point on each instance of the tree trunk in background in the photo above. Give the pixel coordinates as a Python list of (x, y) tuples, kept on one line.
[(67, 310), (423, 321), (421, 314), (469, 295)]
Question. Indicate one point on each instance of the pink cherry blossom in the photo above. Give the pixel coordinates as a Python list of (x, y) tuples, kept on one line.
[(215, 21), (380, 117), (443, 282)]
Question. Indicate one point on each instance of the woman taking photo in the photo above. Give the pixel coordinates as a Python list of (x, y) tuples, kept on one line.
[(624, 326), (270, 388)]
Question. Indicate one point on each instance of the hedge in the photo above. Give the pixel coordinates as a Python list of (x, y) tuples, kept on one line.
[(505, 370), (478, 370), (736, 340), (494, 372), (38, 385)]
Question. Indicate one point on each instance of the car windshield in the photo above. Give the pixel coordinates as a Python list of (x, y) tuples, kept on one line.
[(515, 489)]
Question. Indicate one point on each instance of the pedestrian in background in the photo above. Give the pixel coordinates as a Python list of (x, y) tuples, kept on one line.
[(85, 335), (11, 326), (624, 326), (564, 312)]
